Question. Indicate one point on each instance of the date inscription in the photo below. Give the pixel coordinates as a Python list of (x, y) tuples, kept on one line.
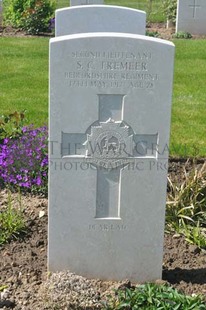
[(111, 70)]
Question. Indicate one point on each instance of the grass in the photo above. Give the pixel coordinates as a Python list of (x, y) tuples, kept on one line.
[(189, 98), (11, 221), (24, 86), (153, 8), (186, 206), (153, 297), (24, 77)]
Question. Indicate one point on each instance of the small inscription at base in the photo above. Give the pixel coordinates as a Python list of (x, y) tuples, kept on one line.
[(107, 227)]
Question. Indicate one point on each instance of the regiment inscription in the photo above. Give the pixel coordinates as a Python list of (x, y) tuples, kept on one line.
[(111, 70)]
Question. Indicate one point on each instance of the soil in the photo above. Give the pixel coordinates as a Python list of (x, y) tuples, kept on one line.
[(23, 262), (167, 33), (159, 28)]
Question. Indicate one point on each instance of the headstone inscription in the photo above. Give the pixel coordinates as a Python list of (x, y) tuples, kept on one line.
[(85, 2), (191, 16), (110, 103), (99, 18)]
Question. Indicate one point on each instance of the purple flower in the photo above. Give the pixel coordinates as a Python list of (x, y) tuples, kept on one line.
[(25, 184), (38, 180), (6, 140), (52, 23), (24, 129), (24, 160)]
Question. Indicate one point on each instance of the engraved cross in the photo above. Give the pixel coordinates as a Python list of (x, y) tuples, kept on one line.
[(109, 144), (108, 140), (194, 6)]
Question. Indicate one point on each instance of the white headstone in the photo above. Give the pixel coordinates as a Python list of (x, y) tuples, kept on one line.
[(110, 104), (99, 18), (191, 16), (85, 2)]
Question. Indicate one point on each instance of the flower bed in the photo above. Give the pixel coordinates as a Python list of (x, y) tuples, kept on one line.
[(24, 160)]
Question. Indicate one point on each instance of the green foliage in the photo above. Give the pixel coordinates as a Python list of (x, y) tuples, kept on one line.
[(154, 34), (195, 235), (153, 297), (186, 207), (24, 161), (182, 35), (11, 221), (3, 287), (36, 18), (12, 12), (11, 125), (170, 9), (30, 15)]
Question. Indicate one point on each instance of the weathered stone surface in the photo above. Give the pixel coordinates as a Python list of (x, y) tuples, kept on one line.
[(110, 104), (99, 18), (191, 16)]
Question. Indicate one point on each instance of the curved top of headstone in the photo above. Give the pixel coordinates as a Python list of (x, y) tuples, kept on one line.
[(99, 18), (113, 35), (85, 2)]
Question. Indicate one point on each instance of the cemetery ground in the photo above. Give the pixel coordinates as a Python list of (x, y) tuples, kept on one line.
[(24, 280), (26, 284)]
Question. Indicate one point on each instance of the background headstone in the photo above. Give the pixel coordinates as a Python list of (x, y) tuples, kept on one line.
[(191, 16), (85, 2), (110, 106), (102, 18)]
